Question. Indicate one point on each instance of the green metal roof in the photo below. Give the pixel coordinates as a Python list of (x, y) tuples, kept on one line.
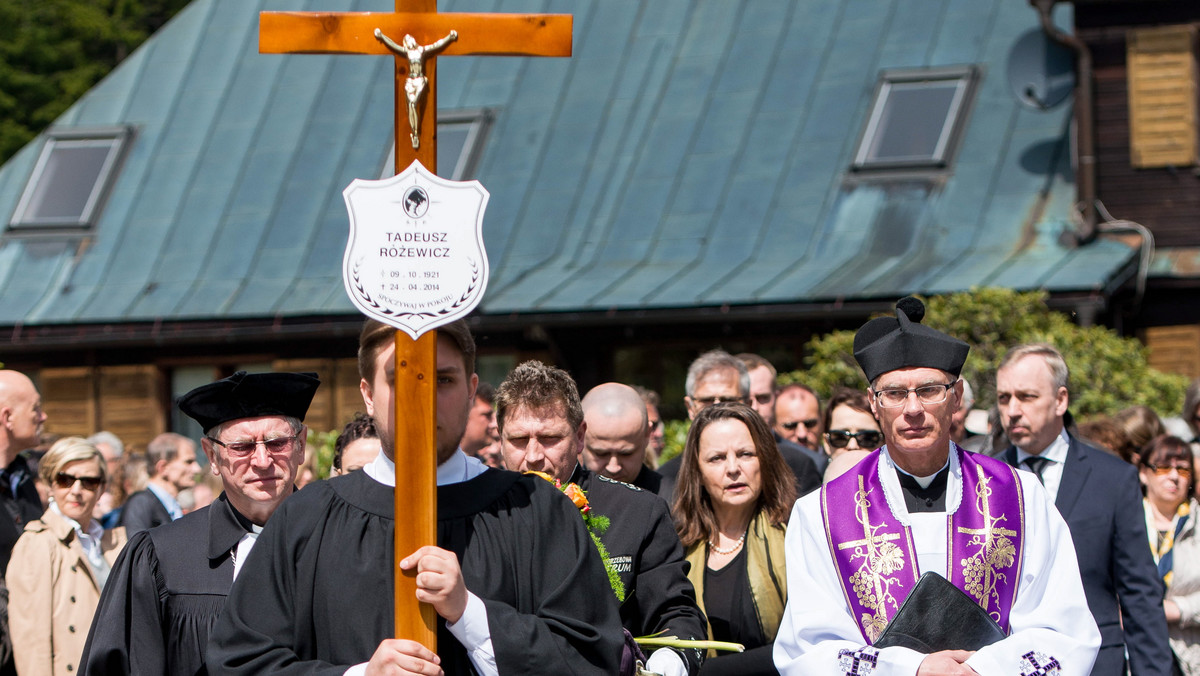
[(692, 153)]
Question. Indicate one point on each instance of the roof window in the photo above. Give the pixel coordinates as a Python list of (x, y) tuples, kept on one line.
[(916, 119), (70, 180)]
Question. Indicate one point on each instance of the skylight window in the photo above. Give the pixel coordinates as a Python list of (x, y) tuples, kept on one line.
[(70, 180), (915, 120), (459, 143)]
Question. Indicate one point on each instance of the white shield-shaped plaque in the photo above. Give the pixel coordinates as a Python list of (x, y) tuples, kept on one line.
[(415, 258)]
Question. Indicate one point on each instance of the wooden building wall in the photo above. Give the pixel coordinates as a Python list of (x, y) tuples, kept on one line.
[(1175, 349), (1162, 196), (134, 402)]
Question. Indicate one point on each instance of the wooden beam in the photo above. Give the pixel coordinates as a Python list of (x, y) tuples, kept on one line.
[(354, 32)]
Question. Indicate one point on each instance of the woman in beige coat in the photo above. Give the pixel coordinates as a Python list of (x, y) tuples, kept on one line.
[(60, 563)]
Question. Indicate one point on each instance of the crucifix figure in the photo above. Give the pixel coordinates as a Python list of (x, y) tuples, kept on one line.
[(415, 363), (415, 85)]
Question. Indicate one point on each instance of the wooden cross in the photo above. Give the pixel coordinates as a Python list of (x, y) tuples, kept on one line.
[(416, 361)]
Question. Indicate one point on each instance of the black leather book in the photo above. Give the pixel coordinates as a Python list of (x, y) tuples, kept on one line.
[(939, 616)]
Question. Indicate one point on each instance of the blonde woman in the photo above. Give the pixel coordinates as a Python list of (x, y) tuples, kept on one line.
[(60, 563)]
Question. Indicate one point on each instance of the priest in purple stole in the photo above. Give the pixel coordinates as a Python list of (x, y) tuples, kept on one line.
[(856, 548)]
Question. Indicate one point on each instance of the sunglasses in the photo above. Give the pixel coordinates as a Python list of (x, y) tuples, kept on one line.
[(808, 424), (865, 438), (90, 483), (1164, 471)]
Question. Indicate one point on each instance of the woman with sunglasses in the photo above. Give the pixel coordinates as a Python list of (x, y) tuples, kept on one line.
[(1167, 471), (849, 423), (732, 500), (60, 564)]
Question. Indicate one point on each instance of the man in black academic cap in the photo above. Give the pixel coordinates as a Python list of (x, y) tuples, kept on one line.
[(921, 504), (169, 584)]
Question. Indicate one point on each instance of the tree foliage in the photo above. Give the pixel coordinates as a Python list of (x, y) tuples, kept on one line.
[(54, 51), (1108, 372)]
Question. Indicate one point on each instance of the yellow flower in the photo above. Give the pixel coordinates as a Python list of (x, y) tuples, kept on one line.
[(545, 476)]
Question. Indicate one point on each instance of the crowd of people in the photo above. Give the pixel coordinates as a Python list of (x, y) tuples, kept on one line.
[(792, 528)]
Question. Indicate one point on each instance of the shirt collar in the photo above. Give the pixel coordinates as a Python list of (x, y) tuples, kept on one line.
[(226, 527), (894, 494), (1055, 452), (457, 468), (167, 499), (94, 529)]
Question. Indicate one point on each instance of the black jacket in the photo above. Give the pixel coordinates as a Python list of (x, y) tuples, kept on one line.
[(143, 511), (644, 548)]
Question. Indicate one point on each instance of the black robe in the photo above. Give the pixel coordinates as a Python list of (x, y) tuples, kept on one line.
[(163, 595), (315, 595)]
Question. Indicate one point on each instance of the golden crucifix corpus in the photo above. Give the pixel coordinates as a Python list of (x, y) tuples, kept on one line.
[(423, 33)]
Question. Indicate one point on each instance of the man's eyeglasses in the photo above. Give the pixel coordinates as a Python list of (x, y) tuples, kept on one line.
[(241, 449), (709, 401), (89, 483), (763, 398), (866, 438), (1184, 472), (808, 424), (926, 394)]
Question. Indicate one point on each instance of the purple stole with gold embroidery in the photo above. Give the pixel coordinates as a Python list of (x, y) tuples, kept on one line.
[(874, 554)]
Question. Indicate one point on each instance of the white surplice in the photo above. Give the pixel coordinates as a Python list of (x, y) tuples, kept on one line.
[(1050, 621)]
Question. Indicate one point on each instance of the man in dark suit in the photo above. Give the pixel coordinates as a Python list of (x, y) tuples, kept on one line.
[(1099, 497), (715, 377), (171, 463)]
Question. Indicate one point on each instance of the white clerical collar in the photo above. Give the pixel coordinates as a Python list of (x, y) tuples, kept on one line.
[(242, 549), (1055, 452), (895, 496), (457, 468)]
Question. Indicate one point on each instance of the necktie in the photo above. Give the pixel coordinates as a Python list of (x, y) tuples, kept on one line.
[(1037, 465)]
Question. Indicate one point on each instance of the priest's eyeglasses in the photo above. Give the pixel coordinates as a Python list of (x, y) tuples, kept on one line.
[(926, 394), (1164, 470), (89, 483), (241, 449)]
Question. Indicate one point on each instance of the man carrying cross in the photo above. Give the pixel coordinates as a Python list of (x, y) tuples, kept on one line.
[(515, 579), (856, 547)]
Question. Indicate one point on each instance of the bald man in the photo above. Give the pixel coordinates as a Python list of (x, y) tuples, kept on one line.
[(616, 435), (21, 420), (798, 416)]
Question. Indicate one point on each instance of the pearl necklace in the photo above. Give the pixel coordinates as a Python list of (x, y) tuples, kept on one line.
[(736, 546)]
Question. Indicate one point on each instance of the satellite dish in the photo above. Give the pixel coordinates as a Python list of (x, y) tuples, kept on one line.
[(1041, 72)]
